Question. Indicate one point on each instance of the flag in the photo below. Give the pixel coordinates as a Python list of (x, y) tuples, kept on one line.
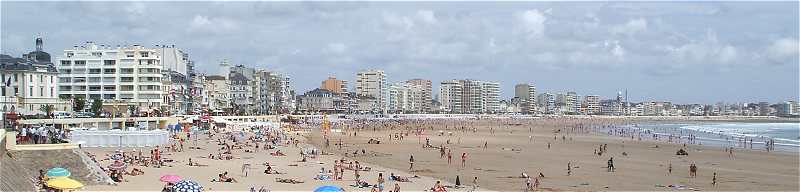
[(8, 83)]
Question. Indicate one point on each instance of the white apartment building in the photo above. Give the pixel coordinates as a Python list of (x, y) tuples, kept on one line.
[(373, 83), (29, 83), (450, 96), (130, 75), (217, 88), (527, 96), (592, 104), (491, 97)]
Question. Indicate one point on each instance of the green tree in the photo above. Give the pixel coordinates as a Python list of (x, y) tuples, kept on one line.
[(97, 106), (80, 103), (48, 109)]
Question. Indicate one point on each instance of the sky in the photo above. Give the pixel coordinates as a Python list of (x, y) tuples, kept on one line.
[(684, 52)]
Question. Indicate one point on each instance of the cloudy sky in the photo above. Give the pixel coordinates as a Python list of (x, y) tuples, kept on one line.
[(683, 52)]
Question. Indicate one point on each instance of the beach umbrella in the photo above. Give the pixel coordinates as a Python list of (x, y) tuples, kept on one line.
[(187, 186), (170, 178), (64, 183), (58, 172), (329, 188), (117, 165)]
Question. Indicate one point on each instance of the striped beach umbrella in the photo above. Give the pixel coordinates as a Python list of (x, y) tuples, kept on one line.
[(58, 172), (187, 186), (117, 165)]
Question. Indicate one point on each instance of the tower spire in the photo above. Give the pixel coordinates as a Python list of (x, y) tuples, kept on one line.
[(39, 42)]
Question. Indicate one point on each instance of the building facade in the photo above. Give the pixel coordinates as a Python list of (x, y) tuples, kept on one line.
[(426, 97), (29, 83), (373, 83), (129, 74), (334, 85), (527, 97)]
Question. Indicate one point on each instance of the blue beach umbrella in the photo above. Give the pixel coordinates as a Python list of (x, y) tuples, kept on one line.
[(58, 172), (187, 186), (329, 188)]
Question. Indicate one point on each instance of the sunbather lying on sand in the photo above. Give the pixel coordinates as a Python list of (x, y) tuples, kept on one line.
[(292, 181)]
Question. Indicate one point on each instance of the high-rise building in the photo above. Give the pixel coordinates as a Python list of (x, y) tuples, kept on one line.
[(763, 108), (592, 104), (450, 96), (527, 97), (470, 96), (29, 83), (131, 75), (217, 89), (547, 103), (373, 83), (334, 85), (425, 99)]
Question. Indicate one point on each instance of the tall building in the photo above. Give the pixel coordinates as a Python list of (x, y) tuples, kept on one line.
[(527, 97), (29, 83), (217, 89), (373, 83), (470, 96), (334, 85), (426, 95), (129, 75), (763, 108), (592, 104), (450, 96), (547, 103)]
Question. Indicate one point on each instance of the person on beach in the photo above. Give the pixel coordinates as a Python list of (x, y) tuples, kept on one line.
[(669, 169), (714, 179), (693, 170), (411, 163), (475, 184), (611, 164), (569, 168), (380, 181), (449, 156), (396, 187), (464, 160)]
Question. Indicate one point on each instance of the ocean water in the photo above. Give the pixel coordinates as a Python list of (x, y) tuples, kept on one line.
[(785, 135)]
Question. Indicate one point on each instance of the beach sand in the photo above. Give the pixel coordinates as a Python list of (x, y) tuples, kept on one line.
[(256, 178), (643, 169)]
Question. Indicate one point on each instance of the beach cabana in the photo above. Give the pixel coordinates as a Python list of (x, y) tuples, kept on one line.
[(64, 183), (58, 172)]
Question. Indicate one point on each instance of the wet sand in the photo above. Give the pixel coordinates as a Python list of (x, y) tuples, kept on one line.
[(509, 153)]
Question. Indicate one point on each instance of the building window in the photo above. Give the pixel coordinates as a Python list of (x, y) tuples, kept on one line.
[(3, 91), (41, 79), (15, 77), (51, 91), (80, 63), (41, 91), (109, 62), (31, 91), (144, 54), (16, 90), (128, 54), (66, 63)]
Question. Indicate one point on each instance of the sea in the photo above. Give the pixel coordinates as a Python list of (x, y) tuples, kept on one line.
[(731, 134)]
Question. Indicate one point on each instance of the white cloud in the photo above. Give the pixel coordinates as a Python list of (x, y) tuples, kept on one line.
[(217, 25), (533, 23), (427, 16), (633, 26), (782, 50)]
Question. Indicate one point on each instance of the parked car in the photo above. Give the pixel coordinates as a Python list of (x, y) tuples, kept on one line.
[(62, 114), (84, 115)]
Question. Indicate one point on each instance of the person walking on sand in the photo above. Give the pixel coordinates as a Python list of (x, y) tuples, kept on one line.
[(411, 163), (463, 160), (449, 156), (714, 179), (611, 164), (669, 169), (569, 168), (693, 170)]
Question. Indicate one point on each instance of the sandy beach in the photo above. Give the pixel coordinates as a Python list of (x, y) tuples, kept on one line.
[(510, 151), (289, 165)]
